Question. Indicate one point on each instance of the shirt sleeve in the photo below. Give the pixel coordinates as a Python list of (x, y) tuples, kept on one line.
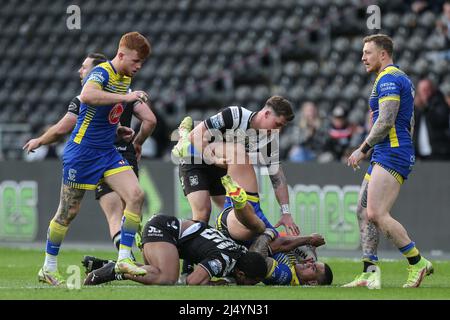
[(388, 88), (229, 118), (99, 76), (74, 106), (214, 266)]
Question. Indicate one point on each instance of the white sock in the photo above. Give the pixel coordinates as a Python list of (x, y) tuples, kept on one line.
[(51, 263), (124, 253)]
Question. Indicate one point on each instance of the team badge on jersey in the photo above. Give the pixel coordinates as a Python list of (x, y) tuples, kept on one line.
[(115, 113)]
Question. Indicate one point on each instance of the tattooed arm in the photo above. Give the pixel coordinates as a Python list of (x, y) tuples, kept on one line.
[(388, 111), (280, 188)]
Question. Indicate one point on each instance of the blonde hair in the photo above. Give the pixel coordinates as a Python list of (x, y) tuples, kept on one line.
[(136, 41), (382, 41)]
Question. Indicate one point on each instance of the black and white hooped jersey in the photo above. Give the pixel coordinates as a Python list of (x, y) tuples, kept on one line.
[(233, 124), (212, 250)]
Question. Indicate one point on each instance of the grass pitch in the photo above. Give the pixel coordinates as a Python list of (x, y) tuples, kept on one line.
[(19, 268)]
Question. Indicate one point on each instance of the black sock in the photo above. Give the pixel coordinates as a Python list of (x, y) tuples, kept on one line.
[(367, 264), (414, 260)]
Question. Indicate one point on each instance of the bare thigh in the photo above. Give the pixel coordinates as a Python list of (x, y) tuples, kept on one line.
[(382, 191), (164, 257), (237, 230), (239, 167)]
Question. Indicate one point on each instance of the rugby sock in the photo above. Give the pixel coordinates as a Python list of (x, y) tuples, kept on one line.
[(130, 225), (116, 241), (55, 236), (368, 261), (411, 253)]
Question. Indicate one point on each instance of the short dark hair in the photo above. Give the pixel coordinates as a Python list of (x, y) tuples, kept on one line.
[(327, 278), (382, 41), (281, 107), (253, 265), (98, 58)]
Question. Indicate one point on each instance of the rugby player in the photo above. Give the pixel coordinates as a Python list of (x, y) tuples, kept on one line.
[(256, 130), (287, 265), (166, 239), (90, 155), (392, 106), (109, 201)]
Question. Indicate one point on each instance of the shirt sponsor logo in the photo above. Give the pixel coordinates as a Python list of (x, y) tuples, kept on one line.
[(152, 231), (217, 121), (215, 266), (115, 113), (96, 76)]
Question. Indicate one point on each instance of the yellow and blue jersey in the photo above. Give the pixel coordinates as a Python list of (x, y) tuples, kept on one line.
[(96, 125), (283, 271), (395, 152), (90, 154), (394, 84)]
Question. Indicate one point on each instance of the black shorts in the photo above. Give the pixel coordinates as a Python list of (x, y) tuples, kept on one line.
[(103, 188), (162, 228), (198, 177)]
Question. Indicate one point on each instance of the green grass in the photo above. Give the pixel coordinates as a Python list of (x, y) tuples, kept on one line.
[(19, 267)]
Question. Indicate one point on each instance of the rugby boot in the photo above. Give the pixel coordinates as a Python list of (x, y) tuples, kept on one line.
[(181, 149), (371, 280), (417, 272), (52, 278), (237, 194), (128, 266)]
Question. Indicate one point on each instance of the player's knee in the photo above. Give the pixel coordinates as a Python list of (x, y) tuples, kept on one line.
[(373, 215), (202, 214), (136, 196)]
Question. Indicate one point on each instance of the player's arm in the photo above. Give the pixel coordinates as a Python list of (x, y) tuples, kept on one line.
[(148, 120), (388, 110), (286, 244), (198, 277), (217, 125), (388, 106), (280, 188), (93, 95), (54, 133)]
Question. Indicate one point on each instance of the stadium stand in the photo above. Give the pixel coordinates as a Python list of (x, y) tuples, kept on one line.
[(206, 54)]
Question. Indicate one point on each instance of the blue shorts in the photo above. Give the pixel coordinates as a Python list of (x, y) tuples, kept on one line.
[(258, 211), (397, 161), (84, 167)]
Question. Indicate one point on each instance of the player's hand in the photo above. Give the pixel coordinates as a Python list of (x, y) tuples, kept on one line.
[(32, 145), (317, 240), (287, 221), (137, 96), (125, 133), (138, 150), (355, 158)]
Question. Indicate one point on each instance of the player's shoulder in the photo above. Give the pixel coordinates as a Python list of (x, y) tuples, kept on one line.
[(392, 74)]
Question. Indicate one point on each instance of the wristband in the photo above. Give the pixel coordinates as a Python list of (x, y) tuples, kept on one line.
[(365, 147), (285, 209)]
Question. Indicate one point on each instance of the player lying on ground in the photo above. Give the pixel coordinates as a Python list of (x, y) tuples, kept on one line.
[(285, 264), (166, 239)]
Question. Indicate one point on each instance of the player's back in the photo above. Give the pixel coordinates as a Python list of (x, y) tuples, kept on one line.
[(96, 125), (393, 84)]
